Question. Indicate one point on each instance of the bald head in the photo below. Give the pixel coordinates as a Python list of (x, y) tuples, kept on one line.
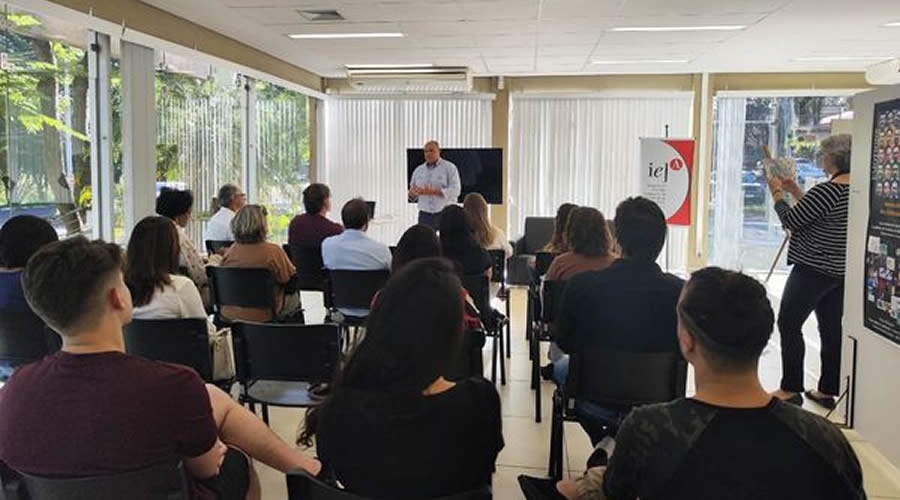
[(432, 152)]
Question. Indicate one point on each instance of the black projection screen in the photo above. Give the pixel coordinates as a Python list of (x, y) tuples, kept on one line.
[(480, 170)]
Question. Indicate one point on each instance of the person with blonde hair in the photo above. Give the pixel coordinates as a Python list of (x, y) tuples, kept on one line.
[(251, 250), (489, 236)]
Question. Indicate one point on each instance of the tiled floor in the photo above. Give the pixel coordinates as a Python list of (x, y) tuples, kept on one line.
[(527, 442)]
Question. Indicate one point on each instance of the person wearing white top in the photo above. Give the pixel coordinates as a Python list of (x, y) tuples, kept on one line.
[(434, 185), (218, 227)]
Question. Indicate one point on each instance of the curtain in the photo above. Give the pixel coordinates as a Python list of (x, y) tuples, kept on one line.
[(365, 149), (585, 149), (727, 203)]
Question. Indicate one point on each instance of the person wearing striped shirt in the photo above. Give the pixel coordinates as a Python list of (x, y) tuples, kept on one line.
[(818, 252)]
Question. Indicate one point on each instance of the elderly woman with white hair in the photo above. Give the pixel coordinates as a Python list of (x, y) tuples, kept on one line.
[(818, 253)]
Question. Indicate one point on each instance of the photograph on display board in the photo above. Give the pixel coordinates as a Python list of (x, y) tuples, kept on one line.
[(881, 307)]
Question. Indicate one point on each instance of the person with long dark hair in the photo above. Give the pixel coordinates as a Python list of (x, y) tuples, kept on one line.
[(558, 243), (394, 427), (458, 243), (20, 238), (418, 242)]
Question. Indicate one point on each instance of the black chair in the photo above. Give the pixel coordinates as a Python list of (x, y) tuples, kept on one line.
[(538, 232), (302, 486), (542, 261), (25, 338), (158, 482), (479, 289), (311, 276), (613, 379), (213, 246), (498, 275), (470, 360), (241, 287), (354, 290), (550, 301), (180, 341), (276, 363)]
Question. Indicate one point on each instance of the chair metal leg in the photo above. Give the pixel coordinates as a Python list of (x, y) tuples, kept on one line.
[(494, 361), (556, 438), (502, 358), (265, 413), (508, 328)]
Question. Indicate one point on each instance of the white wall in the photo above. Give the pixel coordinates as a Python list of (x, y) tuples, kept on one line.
[(878, 366)]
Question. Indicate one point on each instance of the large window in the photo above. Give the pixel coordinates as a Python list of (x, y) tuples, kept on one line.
[(44, 149), (283, 154), (744, 230)]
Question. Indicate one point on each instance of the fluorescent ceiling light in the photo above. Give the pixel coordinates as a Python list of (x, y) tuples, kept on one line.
[(641, 61), (388, 66), (895, 24), (659, 29), (841, 58), (330, 36), (397, 71)]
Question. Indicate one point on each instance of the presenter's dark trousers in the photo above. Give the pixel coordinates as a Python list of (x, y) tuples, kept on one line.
[(807, 291), (429, 219)]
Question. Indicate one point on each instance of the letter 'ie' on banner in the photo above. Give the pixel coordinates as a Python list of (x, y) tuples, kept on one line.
[(667, 166)]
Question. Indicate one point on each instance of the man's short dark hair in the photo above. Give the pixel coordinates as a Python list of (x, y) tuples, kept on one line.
[(587, 233), (172, 203), (355, 214), (314, 197), (227, 194), (729, 315), (640, 228), (64, 281), (21, 237)]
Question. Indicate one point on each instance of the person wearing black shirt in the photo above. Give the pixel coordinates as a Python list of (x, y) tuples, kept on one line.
[(628, 307), (732, 439), (394, 428), (459, 245)]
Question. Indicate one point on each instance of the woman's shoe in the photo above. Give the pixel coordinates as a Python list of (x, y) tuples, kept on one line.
[(823, 400), (795, 398)]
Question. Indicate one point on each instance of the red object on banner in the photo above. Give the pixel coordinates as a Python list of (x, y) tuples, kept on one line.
[(685, 149)]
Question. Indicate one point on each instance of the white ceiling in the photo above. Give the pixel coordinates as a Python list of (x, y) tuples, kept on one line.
[(549, 37)]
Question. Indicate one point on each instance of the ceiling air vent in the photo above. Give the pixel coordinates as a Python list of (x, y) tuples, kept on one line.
[(318, 15)]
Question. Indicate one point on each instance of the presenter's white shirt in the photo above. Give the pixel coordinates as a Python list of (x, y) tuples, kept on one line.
[(443, 175), (218, 227)]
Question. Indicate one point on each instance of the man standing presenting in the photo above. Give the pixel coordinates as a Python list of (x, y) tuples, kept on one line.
[(434, 185)]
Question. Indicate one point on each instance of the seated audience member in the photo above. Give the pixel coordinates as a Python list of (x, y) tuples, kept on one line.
[(629, 306), (394, 427), (20, 237), (91, 409), (732, 439), (421, 242), (230, 199), (590, 249), (557, 243), (589, 243), (151, 265), (459, 246), (489, 236), (310, 229), (353, 250), (178, 206), (251, 250)]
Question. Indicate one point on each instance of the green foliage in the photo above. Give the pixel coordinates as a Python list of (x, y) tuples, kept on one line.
[(167, 165), (803, 147)]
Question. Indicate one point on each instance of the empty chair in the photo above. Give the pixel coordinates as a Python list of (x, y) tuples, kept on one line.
[(276, 363), (551, 295), (240, 287), (216, 246), (478, 288), (159, 482), (181, 341), (498, 275), (350, 290), (302, 486), (25, 338), (613, 379)]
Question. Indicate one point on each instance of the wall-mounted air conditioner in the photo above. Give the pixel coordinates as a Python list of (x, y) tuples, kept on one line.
[(884, 73), (431, 80)]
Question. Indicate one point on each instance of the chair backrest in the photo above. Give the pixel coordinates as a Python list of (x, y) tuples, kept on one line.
[(542, 261), (310, 269), (469, 362), (626, 379), (498, 266), (538, 232), (213, 246), (241, 287), (180, 341), (302, 486), (25, 338), (355, 289), (479, 289), (288, 352), (158, 482), (551, 300)]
